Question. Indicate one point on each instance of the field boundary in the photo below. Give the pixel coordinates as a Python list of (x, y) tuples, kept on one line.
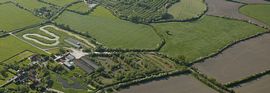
[(247, 79)]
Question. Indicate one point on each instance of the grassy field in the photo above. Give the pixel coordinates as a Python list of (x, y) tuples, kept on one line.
[(60, 2), (79, 7), (10, 46), (260, 12), (203, 37), (31, 4), (187, 9), (2, 1), (110, 31), (19, 57), (13, 17)]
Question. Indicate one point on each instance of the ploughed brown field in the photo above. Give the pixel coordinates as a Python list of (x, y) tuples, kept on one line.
[(254, 1), (239, 61), (261, 85), (176, 84), (228, 9)]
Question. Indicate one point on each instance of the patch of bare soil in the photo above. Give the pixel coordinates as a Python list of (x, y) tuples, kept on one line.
[(254, 1), (261, 85), (239, 61), (177, 84), (228, 9)]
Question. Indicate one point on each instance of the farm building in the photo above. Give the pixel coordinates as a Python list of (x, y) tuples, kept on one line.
[(73, 42), (86, 64)]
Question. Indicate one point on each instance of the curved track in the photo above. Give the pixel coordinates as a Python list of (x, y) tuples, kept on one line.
[(56, 38)]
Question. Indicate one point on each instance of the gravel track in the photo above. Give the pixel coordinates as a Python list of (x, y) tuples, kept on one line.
[(56, 38)]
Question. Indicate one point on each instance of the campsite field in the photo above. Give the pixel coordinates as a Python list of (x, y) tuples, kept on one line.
[(15, 18), (113, 33), (187, 9), (203, 37), (257, 11), (130, 66)]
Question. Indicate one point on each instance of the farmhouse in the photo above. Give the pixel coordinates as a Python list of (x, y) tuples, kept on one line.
[(66, 59)]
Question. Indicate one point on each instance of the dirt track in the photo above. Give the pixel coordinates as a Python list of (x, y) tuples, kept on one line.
[(177, 84), (228, 9), (239, 61)]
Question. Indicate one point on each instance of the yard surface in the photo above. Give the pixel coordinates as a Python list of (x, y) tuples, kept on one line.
[(15, 18), (111, 32), (202, 37)]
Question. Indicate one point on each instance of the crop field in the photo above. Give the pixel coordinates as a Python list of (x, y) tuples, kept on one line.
[(257, 11), (31, 4), (260, 85), (203, 37), (9, 48), (176, 84), (116, 34), (253, 1), (229, 9), (15, 18), (187, 9), (240, 61)]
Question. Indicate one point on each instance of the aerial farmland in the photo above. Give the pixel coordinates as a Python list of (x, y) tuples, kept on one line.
[(134, 46)]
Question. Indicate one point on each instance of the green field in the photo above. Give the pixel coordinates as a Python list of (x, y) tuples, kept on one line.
[(257, 11), (81, 7), (13, 17), (31, 4), (60, 2), (187, 9), (10, 46), (203, 37), (2, 1), (110, 31)]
